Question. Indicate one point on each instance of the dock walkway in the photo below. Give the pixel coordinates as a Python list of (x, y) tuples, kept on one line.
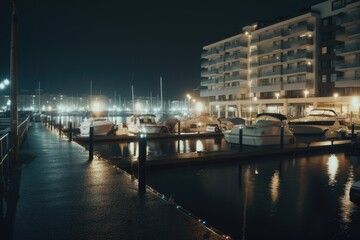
[(63, 195)]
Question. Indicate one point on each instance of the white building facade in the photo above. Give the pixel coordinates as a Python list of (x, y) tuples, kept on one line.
[(307, 61)]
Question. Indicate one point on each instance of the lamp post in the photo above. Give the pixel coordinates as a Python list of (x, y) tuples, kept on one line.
[(335, 97), (14, 88), (306, 92), (277, 95)]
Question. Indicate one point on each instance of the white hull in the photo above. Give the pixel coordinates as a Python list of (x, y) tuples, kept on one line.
[(102, 127), (256, 140), (266, 131), (138, 123), (327, 123)]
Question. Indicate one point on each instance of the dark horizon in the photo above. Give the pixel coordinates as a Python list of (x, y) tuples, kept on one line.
[(64, 45)]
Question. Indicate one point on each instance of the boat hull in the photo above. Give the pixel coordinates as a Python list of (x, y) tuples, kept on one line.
[(253, 140), (355, 192), (101, 127)]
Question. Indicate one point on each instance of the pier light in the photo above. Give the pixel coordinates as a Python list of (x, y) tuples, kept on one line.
[(335, 96), (277, 95), (306, 93)]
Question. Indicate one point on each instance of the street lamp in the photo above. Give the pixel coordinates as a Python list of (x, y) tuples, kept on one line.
[(277, 95), (306, 92), (335, 97), (4, 83)]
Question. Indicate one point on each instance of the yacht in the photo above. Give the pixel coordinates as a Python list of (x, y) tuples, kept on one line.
[(355, 192), (266, 131), (102, 126), (324, 122), (201, 123), (138, 122)]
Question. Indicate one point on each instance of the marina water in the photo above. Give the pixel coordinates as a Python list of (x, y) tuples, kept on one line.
[(274, 198)]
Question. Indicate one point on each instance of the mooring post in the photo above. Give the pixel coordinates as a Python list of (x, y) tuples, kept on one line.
[(240, 138), (70, 131), (282, 136), (60, 126), (142, 163), (91, 143), (352, 134)]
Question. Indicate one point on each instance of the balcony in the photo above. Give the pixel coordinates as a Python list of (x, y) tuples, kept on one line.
[(269, 61), (235, 56), (307, 55), (220, 91), (347, 49), (232, 78), (236, 44), (295, 70), (269, 73), (267, 87), (350, 19), (298, 85), (347, 82), (206, 54), (207, 82), (232, 68), (353, 32), (304, 27), (347, 65), (207, 73)]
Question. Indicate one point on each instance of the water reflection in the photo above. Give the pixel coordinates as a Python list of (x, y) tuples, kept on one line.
[(294, 198), (274, 187), (332, 167)]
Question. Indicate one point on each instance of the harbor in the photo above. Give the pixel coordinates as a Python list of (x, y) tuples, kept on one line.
[(90, 189)]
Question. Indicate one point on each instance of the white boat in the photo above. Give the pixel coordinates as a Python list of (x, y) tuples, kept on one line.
[(137, 122), (266, 131), (355, 192), (156, 130), (201, 123), (102, 126), (323, 122)]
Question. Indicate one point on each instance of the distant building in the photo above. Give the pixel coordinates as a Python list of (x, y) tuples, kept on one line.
[(309, 60)]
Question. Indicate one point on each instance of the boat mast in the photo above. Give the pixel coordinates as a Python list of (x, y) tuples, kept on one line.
[(161, 96), (39, 99), (90, 95), (133, 101)]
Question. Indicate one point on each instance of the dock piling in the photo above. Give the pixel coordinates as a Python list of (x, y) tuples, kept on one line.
[(70, 131), (240, 138), (281, 136), (142, 164), (91, 143)]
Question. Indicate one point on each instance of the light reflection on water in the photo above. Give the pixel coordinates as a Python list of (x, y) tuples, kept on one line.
[(294, 198), (290, 198)]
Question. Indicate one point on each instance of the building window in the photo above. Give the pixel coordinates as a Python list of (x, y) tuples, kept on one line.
[(333, 77), (337, 4), (325, 22), (323, 78), (324, 50), (357, 74)]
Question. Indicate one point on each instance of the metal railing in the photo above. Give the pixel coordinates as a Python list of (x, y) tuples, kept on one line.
[(5, 147)]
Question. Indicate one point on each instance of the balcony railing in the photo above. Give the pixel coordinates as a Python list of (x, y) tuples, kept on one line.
[(301, 69), (348, 49)]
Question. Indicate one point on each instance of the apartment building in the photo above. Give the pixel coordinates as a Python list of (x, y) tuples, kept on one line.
[(309, 60)]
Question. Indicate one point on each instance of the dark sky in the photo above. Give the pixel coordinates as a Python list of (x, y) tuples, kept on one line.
[(115, 44)]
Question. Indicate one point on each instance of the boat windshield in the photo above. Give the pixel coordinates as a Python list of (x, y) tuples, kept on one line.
[(322, 112)]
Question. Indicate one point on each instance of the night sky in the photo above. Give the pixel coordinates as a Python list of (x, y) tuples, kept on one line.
[(115, 44)]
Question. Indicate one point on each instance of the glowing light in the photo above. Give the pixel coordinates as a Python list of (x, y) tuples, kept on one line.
[(96, 107), (199, 146), (274, 187), (199, 107), (333, 164)]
